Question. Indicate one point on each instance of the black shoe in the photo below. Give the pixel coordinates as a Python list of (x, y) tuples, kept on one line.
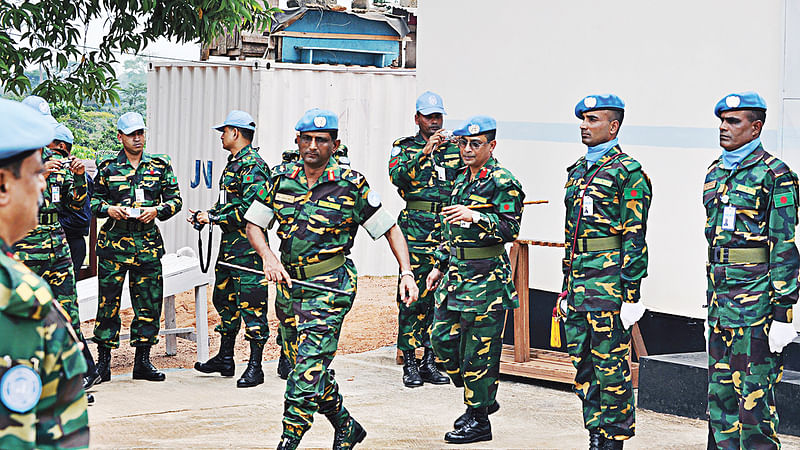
[(103, 366), (143, 369), (89, 399), (284, 367), (348, 435), (611, 444), (476, 429), (462, 419), (411, 376), (90, 379), (288, 443), (428, 370), (596, 439), (223, 361), (253, 375)]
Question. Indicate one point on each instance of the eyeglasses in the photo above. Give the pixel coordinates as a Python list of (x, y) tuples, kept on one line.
[(473, 143), (307, 139)]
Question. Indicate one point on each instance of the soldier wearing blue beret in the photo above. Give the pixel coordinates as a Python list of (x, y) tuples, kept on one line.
[(750, 198), (607, 202), (318, 205), (483, 213), (42, 401)]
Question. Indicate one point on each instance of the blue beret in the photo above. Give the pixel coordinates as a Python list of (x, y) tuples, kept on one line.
[(39, 104), (238, 119), (429, 103), (317, 120), (475, 125), (595, 102), (130, 122), (63, 134), (744, 100), (23, 129)]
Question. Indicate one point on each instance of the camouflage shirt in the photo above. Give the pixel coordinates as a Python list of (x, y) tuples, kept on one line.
[(316, 223), (481, 285), (764, 192), (62, 192), (616, 203), (426, 178), (243, 176), (43, 341)]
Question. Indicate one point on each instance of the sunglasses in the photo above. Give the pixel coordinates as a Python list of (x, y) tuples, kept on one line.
[(473, 143)]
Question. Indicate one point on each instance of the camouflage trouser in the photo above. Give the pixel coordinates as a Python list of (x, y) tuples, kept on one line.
[(287, 330), (469, 346), (47, 254), (241, 296), (415, 321), (742, 374), (599, 347), (318, 315), (146, 288)]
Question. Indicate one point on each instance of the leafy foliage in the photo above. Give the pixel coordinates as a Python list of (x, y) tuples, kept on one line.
[(48, 34)]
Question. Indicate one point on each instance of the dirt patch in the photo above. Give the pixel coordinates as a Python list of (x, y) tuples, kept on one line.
[(371, 324)]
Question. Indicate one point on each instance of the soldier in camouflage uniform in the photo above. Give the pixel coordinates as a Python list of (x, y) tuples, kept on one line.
[(238, 295), (318, 205), (423, 167), (750, 198), (484, 213), (42, 402), (607, 200), (132, 189)]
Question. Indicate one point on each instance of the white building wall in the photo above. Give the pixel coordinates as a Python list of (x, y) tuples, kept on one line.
[(531, 61)]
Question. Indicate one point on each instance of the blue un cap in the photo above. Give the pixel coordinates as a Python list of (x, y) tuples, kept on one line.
[(238, 119), (318, 120), (429, 103), (39, 104), (596, 102), (475, 125), (63, 134), (23, 129), (130, 122), (744, 100)]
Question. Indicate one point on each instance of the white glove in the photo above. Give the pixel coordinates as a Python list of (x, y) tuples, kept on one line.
[(630, 313), (780, 335)]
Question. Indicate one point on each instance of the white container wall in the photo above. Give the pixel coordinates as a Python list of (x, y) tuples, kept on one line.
[(185, 101)]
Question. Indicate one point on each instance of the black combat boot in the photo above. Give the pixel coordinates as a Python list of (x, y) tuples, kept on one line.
[(476, 429), (143, 369), (596, 439), (253, 375), (611, 444), (462, 419), (411, 377), (91, 377), (284, 367), (103, 366), (223, 361), (428, 370), (288, 443), (348, 434)]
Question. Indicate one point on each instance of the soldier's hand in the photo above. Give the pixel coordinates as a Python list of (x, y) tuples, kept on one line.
[(51, 166), (432, 280), (457, 213), (408, 290), (433, 143), (148, 214), (202, 217), (275, 272), (76, 166), (117, 212)]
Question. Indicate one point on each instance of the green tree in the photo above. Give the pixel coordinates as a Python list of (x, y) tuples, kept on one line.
[(47, 34)]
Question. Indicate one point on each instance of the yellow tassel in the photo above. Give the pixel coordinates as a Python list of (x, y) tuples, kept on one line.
[(555, 330)]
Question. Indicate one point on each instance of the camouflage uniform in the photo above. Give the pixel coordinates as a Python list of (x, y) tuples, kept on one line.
[(316, 226), (608, 264), (130, 245), (44, 250), (425, 182), (752, 280), (239, 295), (44, 342), (477, 286)]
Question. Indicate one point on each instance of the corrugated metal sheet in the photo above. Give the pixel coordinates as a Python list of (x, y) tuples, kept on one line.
[(184, 101)]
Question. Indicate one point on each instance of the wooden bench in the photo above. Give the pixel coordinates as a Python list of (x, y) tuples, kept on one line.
[(181, 273)]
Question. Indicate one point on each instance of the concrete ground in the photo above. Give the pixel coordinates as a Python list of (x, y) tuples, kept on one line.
[(193, 410)]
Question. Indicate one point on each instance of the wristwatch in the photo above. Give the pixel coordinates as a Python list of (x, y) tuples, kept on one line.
[(407, 272)]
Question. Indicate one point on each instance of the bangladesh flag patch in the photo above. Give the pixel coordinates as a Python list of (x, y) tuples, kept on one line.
[(248, 179), (173, 179), (506, 207), (262, 194), (633, 194), (783, 199)]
